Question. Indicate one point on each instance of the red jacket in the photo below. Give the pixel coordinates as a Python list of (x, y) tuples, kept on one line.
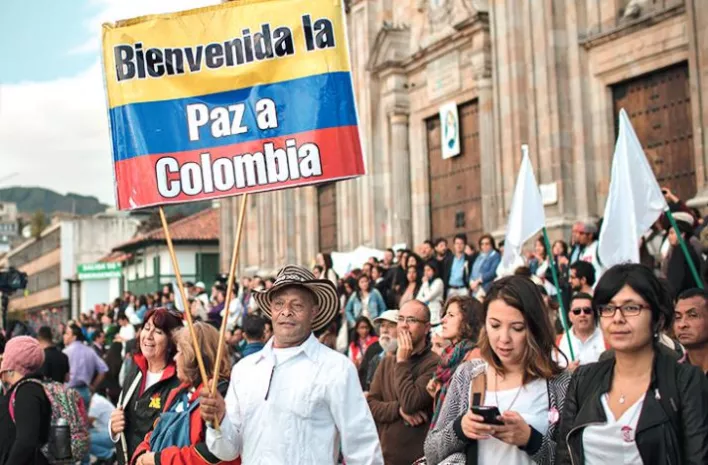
[(197, 453)]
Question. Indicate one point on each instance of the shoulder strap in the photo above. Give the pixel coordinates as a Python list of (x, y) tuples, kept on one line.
[(22, 382), (478, 387), (123, 401)]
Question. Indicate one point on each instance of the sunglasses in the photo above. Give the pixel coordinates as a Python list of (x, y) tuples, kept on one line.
[(585, 310)]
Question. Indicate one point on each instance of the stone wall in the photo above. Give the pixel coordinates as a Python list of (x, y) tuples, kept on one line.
[(541, 72)]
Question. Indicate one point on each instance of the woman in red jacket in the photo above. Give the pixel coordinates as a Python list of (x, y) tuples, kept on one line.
[(179, 435)]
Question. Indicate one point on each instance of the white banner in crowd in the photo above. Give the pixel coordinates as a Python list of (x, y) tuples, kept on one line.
[(344, 262), (634, 201), (527, 216), (449, 130)]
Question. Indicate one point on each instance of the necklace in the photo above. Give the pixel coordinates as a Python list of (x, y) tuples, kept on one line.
[(622, 399), (496, 395)]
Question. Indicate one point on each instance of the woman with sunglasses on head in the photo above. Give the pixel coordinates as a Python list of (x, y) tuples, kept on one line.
[(639, 406), (516, 374)]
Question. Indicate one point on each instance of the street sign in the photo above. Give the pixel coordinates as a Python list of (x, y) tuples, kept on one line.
[(89, 271)]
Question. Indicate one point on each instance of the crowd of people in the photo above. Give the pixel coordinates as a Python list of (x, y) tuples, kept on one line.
[(433, 355)]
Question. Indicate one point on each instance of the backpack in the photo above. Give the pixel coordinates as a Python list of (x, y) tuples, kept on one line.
[(66, 404)]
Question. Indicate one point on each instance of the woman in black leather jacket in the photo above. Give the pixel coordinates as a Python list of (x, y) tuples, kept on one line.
[(640, 406)]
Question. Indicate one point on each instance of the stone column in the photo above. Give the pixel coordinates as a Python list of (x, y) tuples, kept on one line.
[(226, 234), (290, 226), (697, 20), (401, 177), (488, 156)]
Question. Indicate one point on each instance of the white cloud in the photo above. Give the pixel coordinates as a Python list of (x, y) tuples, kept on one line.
[(114, 10), (55, 133)]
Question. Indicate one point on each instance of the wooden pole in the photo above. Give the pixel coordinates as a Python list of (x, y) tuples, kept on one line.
[(187, 310), (229, 292)]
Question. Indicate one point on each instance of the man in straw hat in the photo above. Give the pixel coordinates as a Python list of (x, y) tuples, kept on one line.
[(295, 402)]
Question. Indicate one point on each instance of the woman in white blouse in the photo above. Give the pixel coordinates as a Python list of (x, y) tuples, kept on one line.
[(516, 374), (431, 291), (638, 406)]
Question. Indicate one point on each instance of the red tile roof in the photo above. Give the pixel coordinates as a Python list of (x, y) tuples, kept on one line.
[(202, 226), (116, 257)]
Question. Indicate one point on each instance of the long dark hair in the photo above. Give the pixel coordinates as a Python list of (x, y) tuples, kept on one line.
[(363, 319), (327, 259), (433, 265), (418, 279), (540, 240), (472, 311), (358, 289), (522, 294)]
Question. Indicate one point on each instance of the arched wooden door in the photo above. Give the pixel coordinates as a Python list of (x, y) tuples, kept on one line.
[(659, 106), (455, 192)]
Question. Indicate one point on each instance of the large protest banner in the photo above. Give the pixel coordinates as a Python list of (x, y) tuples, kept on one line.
[(240, 97)]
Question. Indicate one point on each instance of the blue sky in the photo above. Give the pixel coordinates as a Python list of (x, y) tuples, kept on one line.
[(50, 32), (53, 117)]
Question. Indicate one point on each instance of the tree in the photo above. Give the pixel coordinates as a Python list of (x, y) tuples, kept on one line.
[(38, 223)]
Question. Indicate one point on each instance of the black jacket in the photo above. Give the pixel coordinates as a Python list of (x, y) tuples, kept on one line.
[(659, 443), (21, 440), (142, 410)]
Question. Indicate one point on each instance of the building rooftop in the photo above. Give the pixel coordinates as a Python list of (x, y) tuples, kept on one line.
[(203, 226)]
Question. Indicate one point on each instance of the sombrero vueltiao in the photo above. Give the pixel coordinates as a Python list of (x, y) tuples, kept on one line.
[(323, 289)]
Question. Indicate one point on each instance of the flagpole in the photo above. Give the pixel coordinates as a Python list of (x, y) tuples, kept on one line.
[(229, 293), (691, 265), (552, 264)]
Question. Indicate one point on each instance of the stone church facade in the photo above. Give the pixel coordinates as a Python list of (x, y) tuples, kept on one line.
[(552, 74)]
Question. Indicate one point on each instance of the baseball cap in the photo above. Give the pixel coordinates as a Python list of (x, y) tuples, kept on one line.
[(388, 315)]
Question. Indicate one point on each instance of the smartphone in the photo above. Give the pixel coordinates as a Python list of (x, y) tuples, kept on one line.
[(489, 414)]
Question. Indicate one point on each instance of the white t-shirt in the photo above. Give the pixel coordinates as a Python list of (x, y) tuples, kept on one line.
[(100, 409), (127, 333), (532, 405), (587, 352), (613, 442), (365, 306), (152, 378)]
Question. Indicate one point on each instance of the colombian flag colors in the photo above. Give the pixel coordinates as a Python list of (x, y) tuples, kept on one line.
[(247, 96)]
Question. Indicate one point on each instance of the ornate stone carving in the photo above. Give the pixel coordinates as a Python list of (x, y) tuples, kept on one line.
[(635, 8)]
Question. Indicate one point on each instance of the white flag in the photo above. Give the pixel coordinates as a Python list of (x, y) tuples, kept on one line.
[(526, 217), (634, 201), (179, 303)]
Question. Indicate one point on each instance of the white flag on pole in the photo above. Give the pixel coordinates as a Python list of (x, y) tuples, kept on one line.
[(179, 304), (526, 217), (634, 201)]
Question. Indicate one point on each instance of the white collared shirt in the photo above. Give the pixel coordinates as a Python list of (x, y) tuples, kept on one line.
[(587, 352), (297, 411)]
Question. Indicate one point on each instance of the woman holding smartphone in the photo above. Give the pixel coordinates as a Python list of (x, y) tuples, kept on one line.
[(516, 374)]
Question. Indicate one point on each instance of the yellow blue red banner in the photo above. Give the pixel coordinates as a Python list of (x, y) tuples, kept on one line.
[(244, 96)]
